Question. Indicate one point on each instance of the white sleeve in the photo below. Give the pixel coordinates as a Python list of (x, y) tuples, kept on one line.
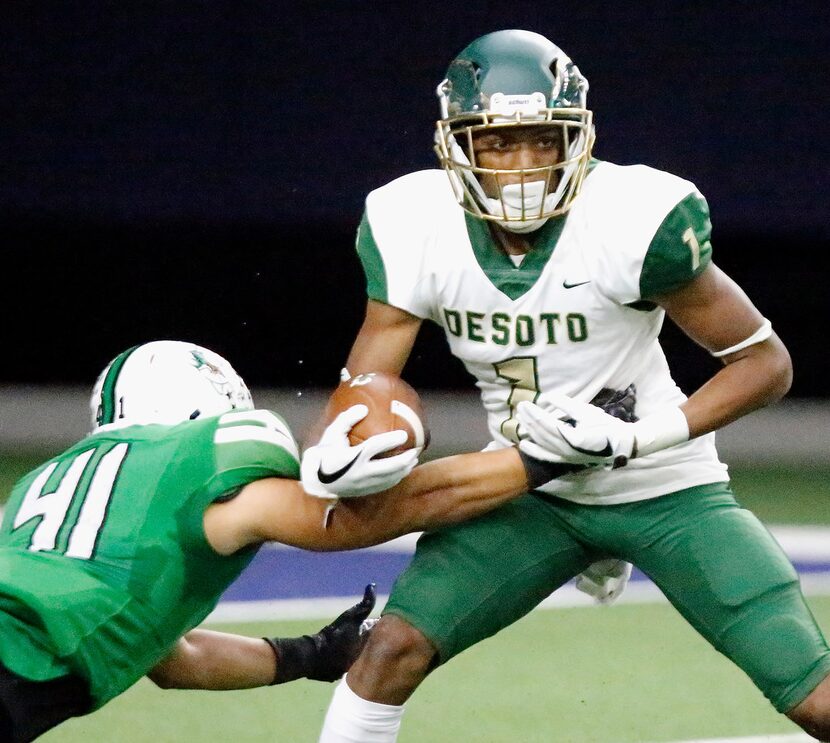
[(393, 241)]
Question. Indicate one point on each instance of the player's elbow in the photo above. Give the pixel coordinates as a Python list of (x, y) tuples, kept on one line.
[(180, 676), (161, 678), (181, 669), (769, 370), (780, 373), (785, 381)]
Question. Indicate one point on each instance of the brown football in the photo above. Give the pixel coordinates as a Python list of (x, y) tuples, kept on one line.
[(392, 403)]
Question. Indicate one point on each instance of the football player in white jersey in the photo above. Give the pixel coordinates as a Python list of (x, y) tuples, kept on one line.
[(551, 273)]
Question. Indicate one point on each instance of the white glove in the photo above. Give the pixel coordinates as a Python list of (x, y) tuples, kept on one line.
[(605, 580), (334, 468), (562, 429)]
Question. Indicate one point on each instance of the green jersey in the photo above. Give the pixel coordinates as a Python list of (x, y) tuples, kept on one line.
[(104, 562)]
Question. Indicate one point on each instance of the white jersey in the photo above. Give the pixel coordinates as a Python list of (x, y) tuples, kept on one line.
[(573, 317)]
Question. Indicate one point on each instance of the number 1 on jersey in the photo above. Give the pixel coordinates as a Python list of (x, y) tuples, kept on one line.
[(521, 372), (690, 239)]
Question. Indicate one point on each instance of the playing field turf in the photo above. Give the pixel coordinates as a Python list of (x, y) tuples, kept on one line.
[(613, 675)]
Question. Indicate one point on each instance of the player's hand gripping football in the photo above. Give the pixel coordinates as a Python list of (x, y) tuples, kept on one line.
[(335, 468), (561, 429), (328, 654)]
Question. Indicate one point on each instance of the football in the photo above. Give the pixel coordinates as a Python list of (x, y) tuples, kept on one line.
[(393, 404)]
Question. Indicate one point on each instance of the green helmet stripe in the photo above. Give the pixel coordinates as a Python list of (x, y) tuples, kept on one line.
[(108, 387)]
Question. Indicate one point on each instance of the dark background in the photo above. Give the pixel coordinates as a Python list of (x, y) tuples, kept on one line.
[(197, 170)]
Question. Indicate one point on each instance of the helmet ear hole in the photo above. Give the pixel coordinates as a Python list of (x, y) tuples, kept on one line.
[(553, 66), (195, 414)]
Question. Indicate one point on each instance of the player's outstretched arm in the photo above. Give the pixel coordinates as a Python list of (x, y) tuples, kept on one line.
[(204, 659), (435, 494)]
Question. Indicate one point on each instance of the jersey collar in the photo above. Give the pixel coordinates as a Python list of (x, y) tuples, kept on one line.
[(513, 281)]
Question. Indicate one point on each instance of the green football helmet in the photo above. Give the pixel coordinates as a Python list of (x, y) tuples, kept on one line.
[(507, 79)]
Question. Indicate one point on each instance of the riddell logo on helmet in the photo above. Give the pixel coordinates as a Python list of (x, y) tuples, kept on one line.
[(509, 105)]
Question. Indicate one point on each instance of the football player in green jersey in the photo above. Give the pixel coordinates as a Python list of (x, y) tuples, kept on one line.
[(112, 552), (551, 273)]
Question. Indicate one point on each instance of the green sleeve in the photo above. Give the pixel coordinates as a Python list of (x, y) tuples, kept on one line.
[(680, 249), (252, 461), (255, 449), (249, 447), (372, 261)]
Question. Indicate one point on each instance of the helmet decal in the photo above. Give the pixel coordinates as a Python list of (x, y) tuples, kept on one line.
[(166, 382), (213, 373)]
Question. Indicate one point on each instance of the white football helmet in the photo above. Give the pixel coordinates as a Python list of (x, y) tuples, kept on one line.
[(166, 382)]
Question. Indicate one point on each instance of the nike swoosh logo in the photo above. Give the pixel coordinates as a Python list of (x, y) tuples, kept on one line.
[(606, 452), (329, 477), (578, 283)]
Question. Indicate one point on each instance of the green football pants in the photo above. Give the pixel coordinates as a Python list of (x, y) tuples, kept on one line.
[(715, 561)]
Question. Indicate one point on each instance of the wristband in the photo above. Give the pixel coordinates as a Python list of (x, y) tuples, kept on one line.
[(660, 430), (296, 658), (539, 471)]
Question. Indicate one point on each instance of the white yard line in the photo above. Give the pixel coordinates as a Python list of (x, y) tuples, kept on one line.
[(801, 543), (567, 597), (788, 738), (278, 609)]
